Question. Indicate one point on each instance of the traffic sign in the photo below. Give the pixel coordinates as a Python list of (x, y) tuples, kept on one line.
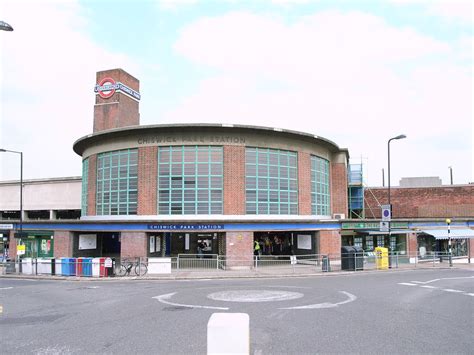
[(386, 212)]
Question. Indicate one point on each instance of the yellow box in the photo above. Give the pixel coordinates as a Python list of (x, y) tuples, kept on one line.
[(381, 258)]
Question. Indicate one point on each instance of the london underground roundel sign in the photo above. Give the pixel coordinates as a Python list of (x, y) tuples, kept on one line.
[(106, 88)]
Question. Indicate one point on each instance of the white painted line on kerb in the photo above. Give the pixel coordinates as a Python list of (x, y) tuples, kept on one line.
[(407, 284), (164, 298)]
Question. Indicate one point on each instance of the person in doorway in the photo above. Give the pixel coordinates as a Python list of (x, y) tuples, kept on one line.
[(256, 248), (200, 248)]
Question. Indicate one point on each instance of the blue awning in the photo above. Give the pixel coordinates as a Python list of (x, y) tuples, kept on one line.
[(453, 233)]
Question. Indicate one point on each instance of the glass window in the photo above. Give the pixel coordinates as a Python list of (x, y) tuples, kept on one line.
[(267, 174), (320, 198), (193, 178), (117, 182), (85, 185)]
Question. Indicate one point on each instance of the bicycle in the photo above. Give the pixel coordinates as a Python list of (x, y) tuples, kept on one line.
[(126, 266)]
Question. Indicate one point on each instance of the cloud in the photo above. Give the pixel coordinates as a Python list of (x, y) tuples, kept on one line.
[(459, 11), (348, 76), (49, 66)]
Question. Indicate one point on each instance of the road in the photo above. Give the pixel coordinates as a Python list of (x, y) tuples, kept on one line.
[(415, 311)]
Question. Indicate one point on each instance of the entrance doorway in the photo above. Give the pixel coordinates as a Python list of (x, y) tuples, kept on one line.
[(96, 244), (174, 244), (286, 243)]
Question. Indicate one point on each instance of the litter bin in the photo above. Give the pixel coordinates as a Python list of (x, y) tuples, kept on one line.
[(347, 258), (358, 258), (381, 258), (98, 268), (326, 266)]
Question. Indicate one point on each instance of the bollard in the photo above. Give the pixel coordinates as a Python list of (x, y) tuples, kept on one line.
[(228, 333)]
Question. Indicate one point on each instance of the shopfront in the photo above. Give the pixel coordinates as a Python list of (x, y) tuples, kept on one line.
[(38, 244)]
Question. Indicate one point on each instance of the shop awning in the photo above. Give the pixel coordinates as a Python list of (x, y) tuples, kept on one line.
[(453, 233)]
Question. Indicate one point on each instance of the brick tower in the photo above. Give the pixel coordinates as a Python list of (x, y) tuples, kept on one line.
[(116, 101)]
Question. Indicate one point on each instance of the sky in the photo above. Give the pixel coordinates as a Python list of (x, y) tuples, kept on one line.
[(355, 72)]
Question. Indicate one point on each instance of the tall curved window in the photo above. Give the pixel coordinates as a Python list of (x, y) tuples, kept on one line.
[(117, 182), (190, 180), (85, 186), (271, 181), (320, 195)]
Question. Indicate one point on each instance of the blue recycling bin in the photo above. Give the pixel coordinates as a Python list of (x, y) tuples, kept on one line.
[(68, 266), (86, 267)]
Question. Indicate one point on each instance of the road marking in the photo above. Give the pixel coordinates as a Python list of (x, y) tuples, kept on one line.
[(6, 288), (446, 278), (254, 296), (164, 298), (469, 294), (407, 284), (1, 310), (351, 298), (451, 290), (428, 286)]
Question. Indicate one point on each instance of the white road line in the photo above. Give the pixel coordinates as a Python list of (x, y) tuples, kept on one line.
[(351, 298), (6, 288), (428, 286), (163, 298), (469, 294), (451, 290), (446, 278), (407, 284)]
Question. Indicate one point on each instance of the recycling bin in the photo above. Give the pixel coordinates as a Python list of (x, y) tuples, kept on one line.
[(58, 266), (381, 258), (347, 258), (68, 266), (98, 267), (84, 266), (43, 266), (27, 266), (358, 258)]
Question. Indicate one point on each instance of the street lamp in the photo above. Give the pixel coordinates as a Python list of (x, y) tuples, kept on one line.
[(448, 222), (21, 186), (401, 136), (5, 26)]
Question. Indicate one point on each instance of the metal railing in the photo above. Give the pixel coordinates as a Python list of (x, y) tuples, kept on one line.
[(263, 264)]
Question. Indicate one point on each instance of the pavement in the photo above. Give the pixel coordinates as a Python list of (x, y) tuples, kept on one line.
[(267, 272)]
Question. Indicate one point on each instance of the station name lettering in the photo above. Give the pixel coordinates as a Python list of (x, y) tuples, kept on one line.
[(185, 226), (191, 139)]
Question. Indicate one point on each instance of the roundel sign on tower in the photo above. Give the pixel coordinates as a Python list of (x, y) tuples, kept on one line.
[(106, 88)]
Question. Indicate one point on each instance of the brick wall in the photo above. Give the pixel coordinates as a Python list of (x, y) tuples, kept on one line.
[(92, 183), (234, 180), (330, 242), (412, 247), (427, 202), (12, 245), (133, 244), (63, 244), (339, 200), (304, 183), (239, 248), (147, 180), (119, 110)]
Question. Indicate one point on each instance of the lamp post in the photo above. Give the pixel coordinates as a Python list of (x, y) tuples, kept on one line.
[(401, 136), (21, 186), (5, 26), (451, 173), (448, 222)]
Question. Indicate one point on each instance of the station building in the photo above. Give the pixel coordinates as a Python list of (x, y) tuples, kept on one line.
[(159, 190)]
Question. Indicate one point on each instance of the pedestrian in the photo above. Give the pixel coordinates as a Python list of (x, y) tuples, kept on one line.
[(200, 248), (256, 248)]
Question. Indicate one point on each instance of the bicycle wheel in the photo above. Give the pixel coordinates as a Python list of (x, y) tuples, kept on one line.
[(141, 269), (122, 271)]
